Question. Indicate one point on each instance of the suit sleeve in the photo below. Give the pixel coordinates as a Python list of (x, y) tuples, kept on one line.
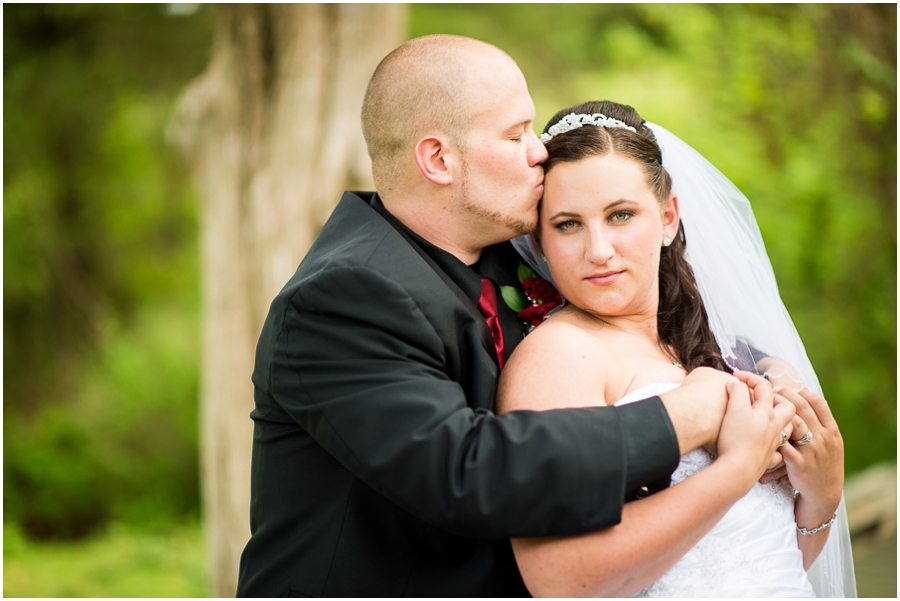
[(356, 363)]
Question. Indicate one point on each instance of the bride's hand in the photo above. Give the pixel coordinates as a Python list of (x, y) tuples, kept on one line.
[(751, 429), (781, 375), (815, 469), (795, 432)]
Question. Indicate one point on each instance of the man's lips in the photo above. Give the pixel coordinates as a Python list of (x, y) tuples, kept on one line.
[(605, 278)]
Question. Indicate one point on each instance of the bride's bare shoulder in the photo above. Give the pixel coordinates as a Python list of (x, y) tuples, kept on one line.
[(558, 365), (559, 335)]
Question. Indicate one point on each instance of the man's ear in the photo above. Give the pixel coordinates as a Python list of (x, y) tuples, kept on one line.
[(433, 161)]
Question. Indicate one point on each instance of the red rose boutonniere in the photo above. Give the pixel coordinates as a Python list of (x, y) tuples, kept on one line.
[(537, 300)]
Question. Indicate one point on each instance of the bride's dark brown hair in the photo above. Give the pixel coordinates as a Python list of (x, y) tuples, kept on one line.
[(682, 322)]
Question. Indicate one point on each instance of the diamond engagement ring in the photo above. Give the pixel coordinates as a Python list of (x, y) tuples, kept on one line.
[(784, 439), (807, 438)]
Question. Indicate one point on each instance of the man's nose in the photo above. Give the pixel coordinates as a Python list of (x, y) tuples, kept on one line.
[(537, 152)]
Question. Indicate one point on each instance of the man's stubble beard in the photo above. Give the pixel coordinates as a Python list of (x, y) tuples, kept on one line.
[(514, 227)]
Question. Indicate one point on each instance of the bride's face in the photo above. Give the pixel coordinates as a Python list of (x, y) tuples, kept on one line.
[(601, 230)]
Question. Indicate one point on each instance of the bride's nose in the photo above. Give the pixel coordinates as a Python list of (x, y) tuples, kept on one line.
[(598, 249)]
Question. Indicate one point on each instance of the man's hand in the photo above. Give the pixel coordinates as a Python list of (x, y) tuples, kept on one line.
[(780, 373), (696, 408)]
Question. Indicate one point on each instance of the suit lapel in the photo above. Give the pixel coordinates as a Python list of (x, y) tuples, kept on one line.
[(415, 261)]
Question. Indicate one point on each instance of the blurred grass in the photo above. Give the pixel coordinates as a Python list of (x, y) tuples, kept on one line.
[(122, 562), (875, 563)]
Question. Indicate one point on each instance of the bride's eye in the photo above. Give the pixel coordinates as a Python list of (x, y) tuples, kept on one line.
[(621, 216), (566, 225)]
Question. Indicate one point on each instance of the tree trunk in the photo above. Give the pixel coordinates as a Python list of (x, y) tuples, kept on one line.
[(272, 134)]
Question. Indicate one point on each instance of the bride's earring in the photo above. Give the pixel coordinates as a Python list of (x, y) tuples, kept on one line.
[(543, 257), (666, 242)]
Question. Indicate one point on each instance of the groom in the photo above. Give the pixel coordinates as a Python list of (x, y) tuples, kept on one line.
[(379, 467)]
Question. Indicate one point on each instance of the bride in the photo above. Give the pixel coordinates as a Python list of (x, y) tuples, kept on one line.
[(647, 300)]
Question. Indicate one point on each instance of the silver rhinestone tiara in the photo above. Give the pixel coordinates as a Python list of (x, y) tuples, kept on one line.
[(574, 121)]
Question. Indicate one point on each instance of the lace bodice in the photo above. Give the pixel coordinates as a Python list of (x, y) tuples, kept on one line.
[(751, 552)]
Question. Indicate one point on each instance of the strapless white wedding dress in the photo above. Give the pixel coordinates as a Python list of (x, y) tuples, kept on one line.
[(751, 552)]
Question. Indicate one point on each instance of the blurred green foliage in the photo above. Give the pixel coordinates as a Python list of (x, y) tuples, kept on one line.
[(100, 290), (795, 103)]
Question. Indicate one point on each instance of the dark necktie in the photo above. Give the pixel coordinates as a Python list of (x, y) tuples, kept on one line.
[(487, 304)]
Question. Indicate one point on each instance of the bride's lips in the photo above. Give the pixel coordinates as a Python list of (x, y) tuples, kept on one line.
[(604, 279)]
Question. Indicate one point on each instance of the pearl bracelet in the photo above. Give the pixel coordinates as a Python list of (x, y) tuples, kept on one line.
[(818, 528)]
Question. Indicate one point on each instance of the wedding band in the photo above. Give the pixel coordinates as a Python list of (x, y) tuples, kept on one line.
[(807, 438), (784, 439)]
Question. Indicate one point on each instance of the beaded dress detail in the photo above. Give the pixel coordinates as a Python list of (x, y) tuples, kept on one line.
[(751, 552)]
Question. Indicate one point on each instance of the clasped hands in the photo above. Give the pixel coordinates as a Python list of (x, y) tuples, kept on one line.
[(744, 415), (815, 470)]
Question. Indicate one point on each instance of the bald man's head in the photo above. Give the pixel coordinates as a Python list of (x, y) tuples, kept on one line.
[(420, 86)]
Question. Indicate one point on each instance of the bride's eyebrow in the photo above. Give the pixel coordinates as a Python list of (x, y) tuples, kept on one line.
[(621, 201), (564, 214)]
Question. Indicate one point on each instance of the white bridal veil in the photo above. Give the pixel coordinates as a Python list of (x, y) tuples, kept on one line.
[(740, 294)]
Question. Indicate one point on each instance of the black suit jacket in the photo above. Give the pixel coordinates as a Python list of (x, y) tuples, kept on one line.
[(379, 467)]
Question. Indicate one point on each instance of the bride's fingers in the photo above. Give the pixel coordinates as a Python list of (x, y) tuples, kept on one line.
[(786, 433), (790, 453), (784, 413), (772, 475), (737, 390), (776, 461), (800, 428), (771, 469), (783, 438), (804, 408), (761, 387), (820, 406), (749, 378)]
